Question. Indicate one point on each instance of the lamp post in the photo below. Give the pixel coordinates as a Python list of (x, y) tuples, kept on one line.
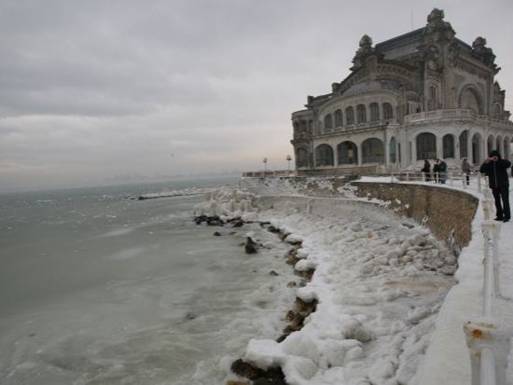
[(265, 166), (288, 158)]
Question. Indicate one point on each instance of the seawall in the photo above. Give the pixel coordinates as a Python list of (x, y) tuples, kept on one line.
[(448, 213)]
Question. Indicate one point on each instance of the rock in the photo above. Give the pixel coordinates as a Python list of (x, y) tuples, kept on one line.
[(190, 316), (250, 247), (246, 370), (273, 229), (292, 284), (238, 223), (217, 234), (215, 221), (271, 376), (232, 382), (448, 270), (273, 273)]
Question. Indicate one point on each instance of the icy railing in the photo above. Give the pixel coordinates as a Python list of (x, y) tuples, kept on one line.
[(450, 178), (451, 113), (487, 340)]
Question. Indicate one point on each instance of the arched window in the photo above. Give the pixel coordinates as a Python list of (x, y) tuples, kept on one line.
[(388, 111), (301, 158), (350, 115), (392, 150), (432, 98), (426, 146), (506, 145), (328, 122), (361, 113), (497, 111), (498, 145), (476, 148), (490, 144), (463, 140), (374, 112), (470, 100), (373, 151), (323, 155), (448, 146), (338, 118), (347, 153)]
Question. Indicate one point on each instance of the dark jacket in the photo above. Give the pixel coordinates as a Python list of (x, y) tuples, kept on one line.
[(426, 168), (442, 167), (497, 172)]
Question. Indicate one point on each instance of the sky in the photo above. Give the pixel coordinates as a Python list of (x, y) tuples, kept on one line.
[(104, 92)]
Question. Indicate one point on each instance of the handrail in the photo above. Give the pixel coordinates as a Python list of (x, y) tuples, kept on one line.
[(488, 343)]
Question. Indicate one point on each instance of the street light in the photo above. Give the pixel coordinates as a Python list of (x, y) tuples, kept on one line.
[(289, 158)]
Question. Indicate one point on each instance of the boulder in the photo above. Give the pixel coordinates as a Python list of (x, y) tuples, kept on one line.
[(251, 246)]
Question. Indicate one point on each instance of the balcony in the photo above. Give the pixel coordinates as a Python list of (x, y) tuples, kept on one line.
[(453, 114), (355, 128)]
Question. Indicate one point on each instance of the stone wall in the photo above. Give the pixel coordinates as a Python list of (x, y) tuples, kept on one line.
[(448, 213)]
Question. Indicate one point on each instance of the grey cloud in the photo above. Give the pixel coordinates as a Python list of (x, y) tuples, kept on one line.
[(93, 89)]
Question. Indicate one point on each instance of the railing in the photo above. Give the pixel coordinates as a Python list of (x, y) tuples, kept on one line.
[(450, 178), (487, 341), (263, 174), (452, 113)]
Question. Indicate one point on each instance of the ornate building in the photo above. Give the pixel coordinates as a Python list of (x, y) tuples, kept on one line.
[(422, 95)]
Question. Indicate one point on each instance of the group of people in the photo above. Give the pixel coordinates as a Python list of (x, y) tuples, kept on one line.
[(494, 167), (439, 174)]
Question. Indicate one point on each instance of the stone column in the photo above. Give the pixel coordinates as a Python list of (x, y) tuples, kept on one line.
[(360, 154), (387, 148), (439, 147)]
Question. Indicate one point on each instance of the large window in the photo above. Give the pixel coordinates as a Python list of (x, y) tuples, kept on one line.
[(433, 98), (490, 144), (350, 115), (470, 100), (301, 157), (426, 146), (388, 111), (361, 113), (448, 146), (338, 118), (328, 123), (373, 151), (347, 153), (463, 139), (323, 155), (392, 150), (476, 148), (374, 112)]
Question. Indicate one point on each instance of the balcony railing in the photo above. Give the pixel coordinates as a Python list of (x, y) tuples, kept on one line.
[(451, 114)]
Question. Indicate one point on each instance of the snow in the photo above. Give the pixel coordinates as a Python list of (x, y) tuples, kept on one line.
[(387, 313)]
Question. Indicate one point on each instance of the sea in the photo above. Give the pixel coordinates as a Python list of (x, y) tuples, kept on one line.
[(99, 288)]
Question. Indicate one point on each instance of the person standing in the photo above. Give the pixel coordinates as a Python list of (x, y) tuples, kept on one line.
[(496, 169), (466, 170), (426, 170), (442, 170), (436, 171)]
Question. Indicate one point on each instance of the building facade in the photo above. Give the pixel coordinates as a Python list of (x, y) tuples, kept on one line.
[(422, 95)]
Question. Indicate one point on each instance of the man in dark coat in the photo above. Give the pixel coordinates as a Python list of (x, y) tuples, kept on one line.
[(436, 171), (442, 170), (496, 169)]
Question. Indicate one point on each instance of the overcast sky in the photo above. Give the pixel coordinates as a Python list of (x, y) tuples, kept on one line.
[(94, 92)]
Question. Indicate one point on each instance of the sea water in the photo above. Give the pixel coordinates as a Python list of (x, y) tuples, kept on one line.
[(97, 288)]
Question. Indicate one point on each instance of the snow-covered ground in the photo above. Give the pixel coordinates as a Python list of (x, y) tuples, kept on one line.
[(379, 283), (387, 313)]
